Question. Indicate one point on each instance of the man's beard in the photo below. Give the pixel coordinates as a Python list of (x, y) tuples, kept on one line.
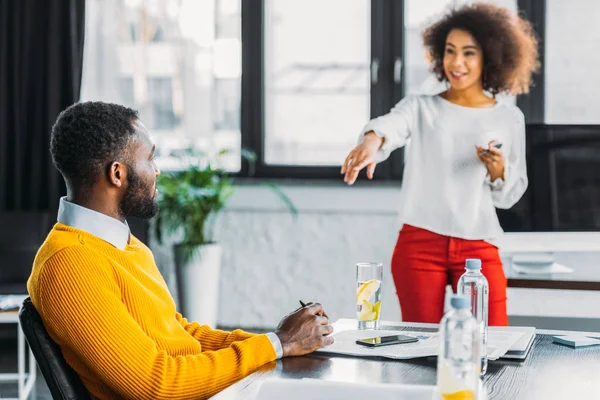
[(137, 202)]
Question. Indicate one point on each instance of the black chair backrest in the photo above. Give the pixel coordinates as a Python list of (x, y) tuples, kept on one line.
[(63, 381)]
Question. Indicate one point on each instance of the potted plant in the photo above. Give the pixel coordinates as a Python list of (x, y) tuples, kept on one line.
[(190, 200)]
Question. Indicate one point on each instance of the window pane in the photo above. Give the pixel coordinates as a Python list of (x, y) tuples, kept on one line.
[(160, 96), (178, 62), (572, 33), (317, 79), (418, 16)]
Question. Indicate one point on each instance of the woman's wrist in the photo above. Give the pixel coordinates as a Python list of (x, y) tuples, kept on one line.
[(494, 175), (372, 139)]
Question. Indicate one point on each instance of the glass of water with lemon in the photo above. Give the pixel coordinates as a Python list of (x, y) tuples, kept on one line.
[(368, 294)]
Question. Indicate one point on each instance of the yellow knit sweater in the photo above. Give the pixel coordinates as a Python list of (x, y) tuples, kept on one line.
[(111, 313)]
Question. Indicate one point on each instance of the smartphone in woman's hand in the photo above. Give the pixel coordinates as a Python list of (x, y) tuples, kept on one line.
[(497, 145)]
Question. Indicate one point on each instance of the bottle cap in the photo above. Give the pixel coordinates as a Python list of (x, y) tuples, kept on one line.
[(460, 302), (473, 263)]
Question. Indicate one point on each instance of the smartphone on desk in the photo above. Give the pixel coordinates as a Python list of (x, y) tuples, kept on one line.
[(386, 340)]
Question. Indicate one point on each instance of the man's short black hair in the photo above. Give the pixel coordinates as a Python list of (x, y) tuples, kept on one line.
[(87, 137)]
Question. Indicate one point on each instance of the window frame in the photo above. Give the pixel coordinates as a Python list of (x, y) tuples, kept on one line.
[(383, 92), (532, 104)]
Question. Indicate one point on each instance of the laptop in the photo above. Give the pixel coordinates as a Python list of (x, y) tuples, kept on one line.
[(521, 348)]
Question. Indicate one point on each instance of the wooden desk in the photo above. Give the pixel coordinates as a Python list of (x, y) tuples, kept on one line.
[(551, 371), (585, 277)]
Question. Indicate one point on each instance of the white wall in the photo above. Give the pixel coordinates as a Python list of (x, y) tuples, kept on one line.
[(271, 259), (570, 96)]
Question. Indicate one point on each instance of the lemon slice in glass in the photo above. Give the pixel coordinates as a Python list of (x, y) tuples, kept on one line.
[(366, 290)]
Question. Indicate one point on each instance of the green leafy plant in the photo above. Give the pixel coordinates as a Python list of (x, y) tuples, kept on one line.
[(190, 199)]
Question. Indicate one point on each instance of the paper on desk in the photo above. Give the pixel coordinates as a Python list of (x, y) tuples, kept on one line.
[(345, 343), (575, 340), (314, 389), (499, 342)]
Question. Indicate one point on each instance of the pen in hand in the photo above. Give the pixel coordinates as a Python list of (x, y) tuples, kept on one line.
[(303, 304)]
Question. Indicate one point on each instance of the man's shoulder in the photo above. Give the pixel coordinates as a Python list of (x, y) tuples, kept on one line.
[(57, 241), (61, 243), (64, 249)]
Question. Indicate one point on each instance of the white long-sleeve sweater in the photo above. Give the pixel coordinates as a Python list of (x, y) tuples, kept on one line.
[(446, 189)]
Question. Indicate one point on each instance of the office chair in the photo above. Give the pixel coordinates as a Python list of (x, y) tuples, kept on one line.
[(64, 383)]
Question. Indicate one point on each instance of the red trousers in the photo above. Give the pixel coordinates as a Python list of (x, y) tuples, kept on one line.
[(425, 262)]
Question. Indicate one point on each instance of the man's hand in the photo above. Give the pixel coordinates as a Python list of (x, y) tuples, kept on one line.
[(304, 331), (362, 156)]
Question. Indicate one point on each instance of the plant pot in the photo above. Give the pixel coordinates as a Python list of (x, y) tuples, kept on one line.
[(198, 271)]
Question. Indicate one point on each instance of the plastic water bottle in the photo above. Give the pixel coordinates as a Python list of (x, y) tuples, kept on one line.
[(458, 360), (475, 286)]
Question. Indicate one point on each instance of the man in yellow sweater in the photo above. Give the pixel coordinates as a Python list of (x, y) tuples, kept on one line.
[(100, 294)]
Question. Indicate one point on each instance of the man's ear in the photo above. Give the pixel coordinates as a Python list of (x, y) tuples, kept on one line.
[(117, 174)]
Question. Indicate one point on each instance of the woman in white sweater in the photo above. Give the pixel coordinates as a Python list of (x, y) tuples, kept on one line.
[(466, 158)]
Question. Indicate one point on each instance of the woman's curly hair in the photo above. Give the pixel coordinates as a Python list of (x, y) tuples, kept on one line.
[(508, 43)]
